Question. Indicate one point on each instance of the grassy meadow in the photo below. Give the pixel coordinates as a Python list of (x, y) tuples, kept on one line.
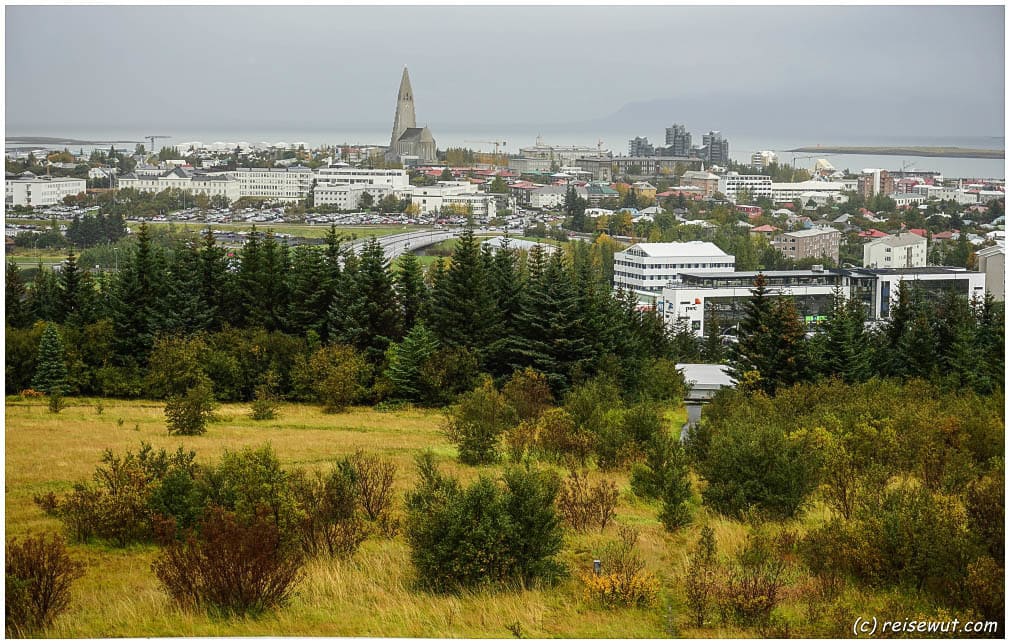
[(373, 593)]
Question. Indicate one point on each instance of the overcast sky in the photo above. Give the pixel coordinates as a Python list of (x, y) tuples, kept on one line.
[(858, 70)]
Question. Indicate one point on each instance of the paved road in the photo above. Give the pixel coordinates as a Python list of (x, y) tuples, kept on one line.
[(396, 245)]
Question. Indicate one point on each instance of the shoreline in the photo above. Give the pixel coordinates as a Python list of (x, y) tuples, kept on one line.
[(911, 151)]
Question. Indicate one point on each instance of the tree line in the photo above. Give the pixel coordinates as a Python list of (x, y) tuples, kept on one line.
[(268, 308)]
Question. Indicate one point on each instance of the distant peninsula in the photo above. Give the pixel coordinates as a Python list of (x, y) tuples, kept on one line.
[(909, 151), (55, 140)]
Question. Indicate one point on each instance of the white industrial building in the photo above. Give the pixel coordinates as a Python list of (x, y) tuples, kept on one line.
[(756, 185), (700, 300), (905, 250), (645, 268), (29, 190)]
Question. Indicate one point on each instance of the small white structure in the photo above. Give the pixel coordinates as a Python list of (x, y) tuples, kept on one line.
[(703, 381)]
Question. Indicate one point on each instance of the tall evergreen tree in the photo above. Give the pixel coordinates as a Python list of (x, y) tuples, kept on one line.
[(51, 366), (138, 302), (249, 290), (463, 311), (754, 342), (785, 365), (846, 344), (406, 361), (372, 318), (273, 282), (16, 311), (186, 312), (310, 297), (44, 297), (411, 289), (549, 324), (214, 280)]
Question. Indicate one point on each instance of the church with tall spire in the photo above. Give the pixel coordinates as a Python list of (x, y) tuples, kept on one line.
[(407, 139)]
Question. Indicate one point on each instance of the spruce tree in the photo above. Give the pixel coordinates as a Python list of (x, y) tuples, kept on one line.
[(186, 312), (138, 302), (786, 363), (70, 282), (307, 284), (249, 291), (846, 343), (16, 312), (754, 344), (372, 317), (406, 362), (51, 367), (276, 262), (463, 310), (411, 289), (214, 281), (44, 297)]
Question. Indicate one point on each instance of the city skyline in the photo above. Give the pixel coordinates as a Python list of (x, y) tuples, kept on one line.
[(776, 68)]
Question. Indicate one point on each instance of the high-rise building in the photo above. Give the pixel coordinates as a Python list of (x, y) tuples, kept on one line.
[(761, 160), (640, 147), (874, 182), (407, 139), (678, 141), (715, 148)]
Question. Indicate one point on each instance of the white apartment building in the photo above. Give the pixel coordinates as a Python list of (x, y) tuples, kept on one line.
[(992, 262), (757, 185), (763, 159), (212, 185), (342, 195), (646, 268), (905, 250), (395, 179), (553, 196), (29, 190), (278, 184), (784, 192), (450, 195)]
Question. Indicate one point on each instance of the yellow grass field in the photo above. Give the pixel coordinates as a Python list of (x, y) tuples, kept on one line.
[(373, 593)]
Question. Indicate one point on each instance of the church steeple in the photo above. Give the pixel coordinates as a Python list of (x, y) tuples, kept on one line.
[(404, 117)]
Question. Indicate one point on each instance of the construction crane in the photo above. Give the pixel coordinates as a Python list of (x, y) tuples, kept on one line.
[(152, 137), (494, 143)]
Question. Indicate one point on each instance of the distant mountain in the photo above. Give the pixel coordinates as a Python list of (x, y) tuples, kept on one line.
[(796, 114)]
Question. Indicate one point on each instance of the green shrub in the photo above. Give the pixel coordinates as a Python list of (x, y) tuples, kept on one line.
[(188, 415), (329, 516), (700, 577), (234, 566), (752, 590), (664, 476), (560, 438), (529, 394), (266, 402), (485, 533), (750, 460), (37, 578), (476, 423), (249, 479), (339, 373)]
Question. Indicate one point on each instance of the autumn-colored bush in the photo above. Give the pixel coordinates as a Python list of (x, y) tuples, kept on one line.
[(585, 506), (232, 567), (37, 580), (623, 579)]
